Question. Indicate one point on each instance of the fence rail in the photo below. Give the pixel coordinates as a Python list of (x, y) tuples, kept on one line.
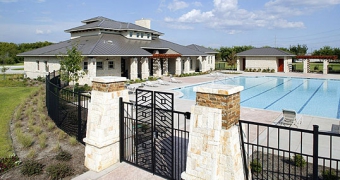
[(66, 108), (277, 152)]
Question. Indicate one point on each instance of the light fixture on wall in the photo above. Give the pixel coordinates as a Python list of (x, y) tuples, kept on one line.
[(107, 59)]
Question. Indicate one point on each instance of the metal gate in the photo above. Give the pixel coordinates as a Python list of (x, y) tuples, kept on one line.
[(153, 136)]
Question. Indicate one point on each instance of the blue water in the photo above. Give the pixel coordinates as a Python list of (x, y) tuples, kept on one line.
[(316, 97)]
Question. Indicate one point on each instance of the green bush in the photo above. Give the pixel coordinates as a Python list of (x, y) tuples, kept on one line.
[(64, 156), (8, 162), (299, 161), (329, 175), (256, 166), (31, 167), (59, 170)]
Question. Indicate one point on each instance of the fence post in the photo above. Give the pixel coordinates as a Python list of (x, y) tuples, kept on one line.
[(121, 128), (79, 137), (315, 152)]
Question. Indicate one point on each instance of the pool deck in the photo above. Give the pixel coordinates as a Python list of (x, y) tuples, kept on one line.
[(129, 172)]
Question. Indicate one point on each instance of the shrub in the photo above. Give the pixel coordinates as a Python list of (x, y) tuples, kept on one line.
[(272, 70), (59, 170), (299, 161), (329, 175), (63, 156), (32, 154), (31, 168), (256, 166), (42, 140), (73, 140), (25, 140), (8, 162)]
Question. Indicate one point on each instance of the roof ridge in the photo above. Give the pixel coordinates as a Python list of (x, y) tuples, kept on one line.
[(94, 46)]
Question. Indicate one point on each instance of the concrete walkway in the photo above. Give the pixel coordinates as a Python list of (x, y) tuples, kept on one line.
[(126, 171)]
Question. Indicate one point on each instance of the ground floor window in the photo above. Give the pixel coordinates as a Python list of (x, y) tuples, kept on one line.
[(99, 65), (85, 67), (111, 64)]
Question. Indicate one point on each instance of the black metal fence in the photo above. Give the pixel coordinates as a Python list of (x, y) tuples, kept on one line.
[(277, 152), (66, 108), (152, 137)]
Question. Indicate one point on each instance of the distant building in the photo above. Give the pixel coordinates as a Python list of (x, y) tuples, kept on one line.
[(263, 58), (113, 48)]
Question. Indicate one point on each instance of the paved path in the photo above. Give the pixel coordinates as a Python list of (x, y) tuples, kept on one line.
[(12, 70), (126, 171)]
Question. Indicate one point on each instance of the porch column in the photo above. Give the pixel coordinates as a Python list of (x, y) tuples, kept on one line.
[(213, 62), (199, 60), (102, 132), (186, 65), (178, 66), (325, 66), (204, 64), (145, 68), (165, 66), (214, 150), (133, 68), (92, 68), (305, 66), (238, 66)]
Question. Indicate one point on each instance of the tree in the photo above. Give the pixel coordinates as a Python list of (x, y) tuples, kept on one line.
[(299, 49), (70, 67), (232, 59), (3, 70)]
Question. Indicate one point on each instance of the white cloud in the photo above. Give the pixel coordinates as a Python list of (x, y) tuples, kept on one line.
[(196, 16), (176, 5), (228, 17), (8, 1), (40, 31), (197, 4)]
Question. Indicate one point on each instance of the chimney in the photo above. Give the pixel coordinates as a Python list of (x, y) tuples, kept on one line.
[(144, 23)]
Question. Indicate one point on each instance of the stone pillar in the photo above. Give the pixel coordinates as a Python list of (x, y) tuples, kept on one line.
[(102, 133), (133, 68), (204, 64), (213, 62), (325, 66), (145, 68), (305, 66), (178, 66), (165, 66), (214, 150), (92, 68), (186, 65), (157, 67), (238, 66)]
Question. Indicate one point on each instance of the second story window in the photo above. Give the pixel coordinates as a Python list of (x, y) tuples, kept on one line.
[(141, 35), (99, 65), (148, 35), (85, 65), (137, 34), (111, 65)]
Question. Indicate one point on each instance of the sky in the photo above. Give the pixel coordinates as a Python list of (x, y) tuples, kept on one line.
[(209, 23)]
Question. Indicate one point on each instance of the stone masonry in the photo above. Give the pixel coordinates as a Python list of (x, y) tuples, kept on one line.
[(214, 150), (102, 133)]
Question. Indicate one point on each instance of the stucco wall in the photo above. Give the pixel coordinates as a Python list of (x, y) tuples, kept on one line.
[(31, 66), (262, 62)]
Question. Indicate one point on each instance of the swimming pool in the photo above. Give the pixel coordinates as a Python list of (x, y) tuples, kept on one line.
[(316, 97)]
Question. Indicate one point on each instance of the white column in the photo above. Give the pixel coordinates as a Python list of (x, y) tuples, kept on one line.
[(178, 66), (145, 68), (92, 68), (238, 67), (102, 132), (325, 66), (186, 65), (133, 68), (305, 66), (204, 64), (213, 62)]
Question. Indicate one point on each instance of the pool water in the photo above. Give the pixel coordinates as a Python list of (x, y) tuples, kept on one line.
[(316, 97)]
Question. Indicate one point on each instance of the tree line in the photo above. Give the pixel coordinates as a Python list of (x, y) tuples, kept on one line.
[(9, 51)]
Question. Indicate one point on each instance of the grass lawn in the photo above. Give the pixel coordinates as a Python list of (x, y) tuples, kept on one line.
[(12, 93)]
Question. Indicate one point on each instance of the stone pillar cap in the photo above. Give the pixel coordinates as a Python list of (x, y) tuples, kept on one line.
[(222, 89), (109, 79)]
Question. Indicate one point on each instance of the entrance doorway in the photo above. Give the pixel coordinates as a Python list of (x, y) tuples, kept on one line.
[(280, 66)]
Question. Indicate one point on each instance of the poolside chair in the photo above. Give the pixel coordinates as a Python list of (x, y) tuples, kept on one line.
[(161, 82), (173, 80), (290, 117), (150, 84)]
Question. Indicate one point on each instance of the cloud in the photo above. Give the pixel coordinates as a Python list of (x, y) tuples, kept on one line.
[(8, 1), (197, 4), (40, 31), (176, 5), (227, 16)]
